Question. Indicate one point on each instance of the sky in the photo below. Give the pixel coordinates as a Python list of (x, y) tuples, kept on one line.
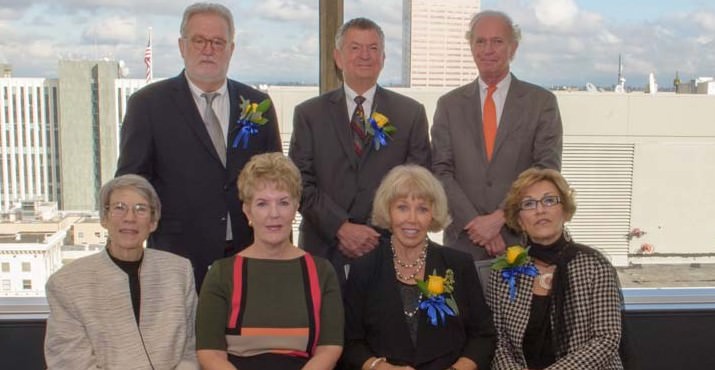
[(565, 42)]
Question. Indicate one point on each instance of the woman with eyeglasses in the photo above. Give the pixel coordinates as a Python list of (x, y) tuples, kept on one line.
[(125, 307), (560, 306)]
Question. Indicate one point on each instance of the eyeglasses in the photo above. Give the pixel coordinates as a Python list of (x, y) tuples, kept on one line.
[(199, 43), (547, 201), (120, 209)]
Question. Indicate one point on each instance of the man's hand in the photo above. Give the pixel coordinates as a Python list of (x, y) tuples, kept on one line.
[(496, 246), (482, 229), (354, 240)]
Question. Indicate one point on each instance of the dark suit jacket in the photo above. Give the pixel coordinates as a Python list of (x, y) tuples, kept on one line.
[(337, 184), (529, 135), (593, 310), (375, 324), (164, 139)]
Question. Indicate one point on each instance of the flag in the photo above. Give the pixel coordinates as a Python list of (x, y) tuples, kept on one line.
[(147, 62)]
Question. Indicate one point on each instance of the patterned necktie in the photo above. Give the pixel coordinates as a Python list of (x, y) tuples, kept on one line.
[(489, 121), (214, 127), (357, 123)]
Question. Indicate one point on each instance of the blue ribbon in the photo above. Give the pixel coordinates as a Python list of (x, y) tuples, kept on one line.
[(509, 275), (248, 129), (380, 138), (436, 305)]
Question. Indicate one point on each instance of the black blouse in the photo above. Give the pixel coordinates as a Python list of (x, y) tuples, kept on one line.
[(538, 346)]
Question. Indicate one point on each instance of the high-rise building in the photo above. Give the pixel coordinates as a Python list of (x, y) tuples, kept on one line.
[(435, 53), (59, 138), (28, 141)]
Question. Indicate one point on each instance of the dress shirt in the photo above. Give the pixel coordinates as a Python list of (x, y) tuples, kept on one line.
[(221, 104), (499, 95), (369, 96)]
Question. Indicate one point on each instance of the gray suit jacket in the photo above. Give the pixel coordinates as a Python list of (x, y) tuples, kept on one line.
[(529, 135), (91, 322), (339, 185)]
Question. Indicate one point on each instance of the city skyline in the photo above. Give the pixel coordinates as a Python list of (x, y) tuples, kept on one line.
[(566, 42)]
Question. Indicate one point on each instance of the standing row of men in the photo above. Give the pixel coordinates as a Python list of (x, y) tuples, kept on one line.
[(188, 136)]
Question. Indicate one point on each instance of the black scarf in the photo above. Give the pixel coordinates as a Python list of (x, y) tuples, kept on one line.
[(558, 253)]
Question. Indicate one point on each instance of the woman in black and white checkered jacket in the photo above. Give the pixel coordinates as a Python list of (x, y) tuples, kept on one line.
[(566, 313)]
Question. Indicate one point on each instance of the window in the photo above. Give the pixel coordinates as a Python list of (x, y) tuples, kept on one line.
[(5, 285), (27, 284), (26, 267), (5, 267)]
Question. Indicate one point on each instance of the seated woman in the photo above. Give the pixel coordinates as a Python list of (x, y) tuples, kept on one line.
[(125, 307), (391, 322), (272, 306), (565, 311)]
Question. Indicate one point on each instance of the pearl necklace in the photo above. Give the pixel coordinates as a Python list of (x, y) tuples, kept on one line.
[(412, 313), (417, 265)]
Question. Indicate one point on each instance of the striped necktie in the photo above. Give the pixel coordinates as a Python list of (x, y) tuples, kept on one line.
[(357, 124)]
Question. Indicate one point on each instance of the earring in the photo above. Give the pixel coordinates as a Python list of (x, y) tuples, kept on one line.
[(524, 239), (567, 234), (250, 223)]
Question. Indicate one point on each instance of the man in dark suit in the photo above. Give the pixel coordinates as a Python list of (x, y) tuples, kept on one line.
[(184, 141), (334, 146), (486, 133)]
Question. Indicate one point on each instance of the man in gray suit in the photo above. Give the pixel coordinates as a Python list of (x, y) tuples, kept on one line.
[(337, 146), (487, 132)]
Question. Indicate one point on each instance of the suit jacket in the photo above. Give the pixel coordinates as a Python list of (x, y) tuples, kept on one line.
[(592, 309), (164, 139), (529, 135), (339, 185), (92, 325), (375, 324)]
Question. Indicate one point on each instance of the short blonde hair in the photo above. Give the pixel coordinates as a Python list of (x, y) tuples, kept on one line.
[(410, 181), (526, 179), (515, 30), (269, 168)]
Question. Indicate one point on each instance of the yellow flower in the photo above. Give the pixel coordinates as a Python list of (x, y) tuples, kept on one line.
[(380, 119), (513, 252), (435, 284), (253, 107)]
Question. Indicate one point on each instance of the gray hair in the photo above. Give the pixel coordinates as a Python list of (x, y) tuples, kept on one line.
[(515, 30), (361, 24), (133, 182), (208, 8)]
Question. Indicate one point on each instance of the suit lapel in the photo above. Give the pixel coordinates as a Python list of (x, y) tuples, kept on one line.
[(234, 100), (511, 117), (519, 310), (341, 124), (473, 113), (185, 104)]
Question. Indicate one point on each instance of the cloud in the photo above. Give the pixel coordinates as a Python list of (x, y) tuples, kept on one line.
[(111, 30), (286, 10), (556, 13)]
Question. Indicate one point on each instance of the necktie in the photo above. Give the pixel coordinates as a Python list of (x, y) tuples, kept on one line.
[(357, 123), (489, 121), (214, 127)]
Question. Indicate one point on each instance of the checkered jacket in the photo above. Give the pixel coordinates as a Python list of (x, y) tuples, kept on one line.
[(592, 312)]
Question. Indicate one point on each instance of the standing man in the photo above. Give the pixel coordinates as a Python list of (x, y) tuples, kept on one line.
[(181, 134), (343, 148), (486, 133)]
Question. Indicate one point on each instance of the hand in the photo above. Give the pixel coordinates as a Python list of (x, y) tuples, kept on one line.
[(355, 240), (481, 229), (495, 246)]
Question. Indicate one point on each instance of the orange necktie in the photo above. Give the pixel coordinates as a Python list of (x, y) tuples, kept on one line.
[(489, 121)]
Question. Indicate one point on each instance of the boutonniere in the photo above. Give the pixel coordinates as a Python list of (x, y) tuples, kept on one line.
[(439, 300), (513, 263), (250, 119), (380, 128)]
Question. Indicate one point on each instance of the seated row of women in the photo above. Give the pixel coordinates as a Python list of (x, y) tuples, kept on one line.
[(408, 304)]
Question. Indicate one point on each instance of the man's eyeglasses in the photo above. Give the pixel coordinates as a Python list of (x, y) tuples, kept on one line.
[(199, 43), (547, 201), (120, 209)]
